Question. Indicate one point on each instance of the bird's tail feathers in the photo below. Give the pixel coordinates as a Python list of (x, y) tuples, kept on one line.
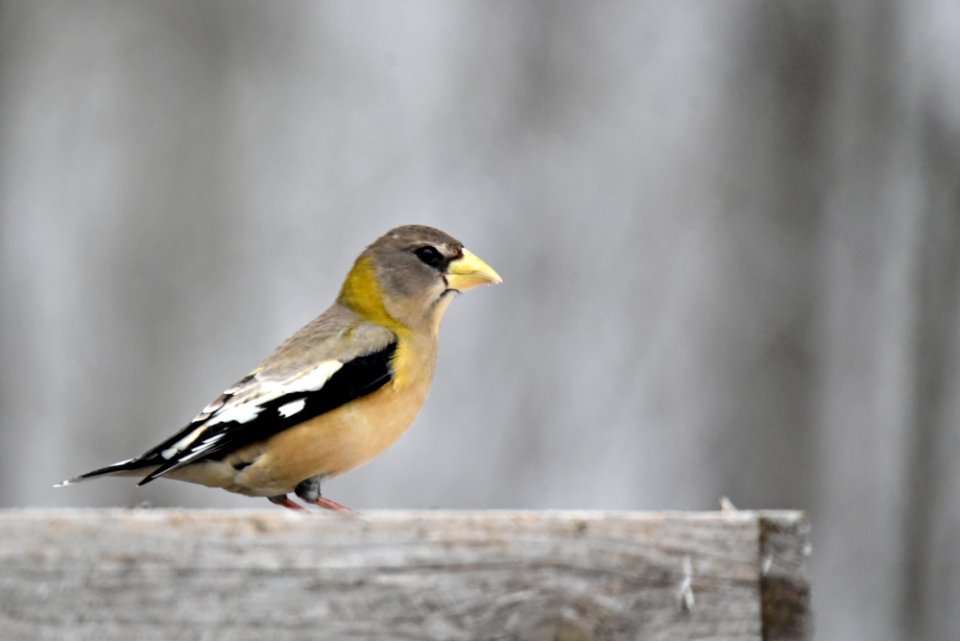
[(129, 467)]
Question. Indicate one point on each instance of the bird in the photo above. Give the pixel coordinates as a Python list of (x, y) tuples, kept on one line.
[(336, 393)]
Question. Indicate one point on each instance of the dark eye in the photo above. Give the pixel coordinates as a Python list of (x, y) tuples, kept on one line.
[(429, 256)]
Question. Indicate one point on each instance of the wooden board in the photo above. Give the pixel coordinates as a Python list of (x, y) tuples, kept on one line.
[(276, 575)]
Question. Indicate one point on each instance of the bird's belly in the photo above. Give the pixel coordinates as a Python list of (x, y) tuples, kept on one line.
[(330, 444)]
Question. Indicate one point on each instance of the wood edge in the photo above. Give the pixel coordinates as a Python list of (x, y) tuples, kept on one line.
[(784, 548)]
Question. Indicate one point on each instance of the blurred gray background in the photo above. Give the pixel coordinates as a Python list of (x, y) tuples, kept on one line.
[(729, 234)]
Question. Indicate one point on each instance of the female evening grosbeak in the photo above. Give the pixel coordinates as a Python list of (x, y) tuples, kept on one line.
[(338, 392)]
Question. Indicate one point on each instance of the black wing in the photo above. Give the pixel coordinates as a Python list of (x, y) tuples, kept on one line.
[(261, 419)]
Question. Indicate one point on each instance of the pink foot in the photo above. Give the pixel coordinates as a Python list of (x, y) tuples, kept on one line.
[(287, 503)]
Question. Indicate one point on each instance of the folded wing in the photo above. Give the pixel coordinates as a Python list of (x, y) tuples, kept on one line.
[(293, 386), (257, 408)]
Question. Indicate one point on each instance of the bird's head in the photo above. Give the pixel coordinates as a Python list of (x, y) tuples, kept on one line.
[(406, 279)]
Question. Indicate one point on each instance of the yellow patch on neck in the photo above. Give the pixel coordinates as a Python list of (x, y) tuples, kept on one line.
[(362, 293)]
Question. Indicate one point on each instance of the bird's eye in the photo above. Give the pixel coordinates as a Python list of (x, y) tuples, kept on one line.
[(429, 256)]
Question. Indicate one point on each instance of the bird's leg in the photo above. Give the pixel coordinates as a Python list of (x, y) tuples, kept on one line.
[(282, 499), (309, 491)]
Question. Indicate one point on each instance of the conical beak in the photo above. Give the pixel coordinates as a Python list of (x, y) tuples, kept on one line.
[(469, 271)]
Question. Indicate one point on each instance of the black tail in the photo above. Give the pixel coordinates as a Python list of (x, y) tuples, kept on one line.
[(121, 466)]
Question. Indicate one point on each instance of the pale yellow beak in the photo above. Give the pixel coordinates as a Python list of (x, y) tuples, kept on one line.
[(469, 271)]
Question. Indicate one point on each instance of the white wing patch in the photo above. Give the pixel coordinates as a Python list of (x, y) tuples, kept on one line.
[(311, 380), (244, 411), (291, 408)]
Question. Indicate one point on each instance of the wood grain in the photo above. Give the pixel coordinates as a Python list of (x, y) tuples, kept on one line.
[(255, 575)]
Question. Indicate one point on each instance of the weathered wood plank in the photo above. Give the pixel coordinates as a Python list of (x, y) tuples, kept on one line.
[(785, 591), (253, 575)]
